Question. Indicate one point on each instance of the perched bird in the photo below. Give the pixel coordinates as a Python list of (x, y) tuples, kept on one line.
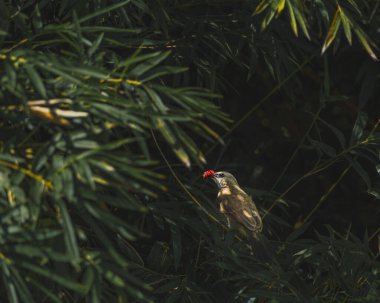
[(235, 203), (241, 211)]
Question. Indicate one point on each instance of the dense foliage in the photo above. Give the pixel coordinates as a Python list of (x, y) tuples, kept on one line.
[(111, 110)]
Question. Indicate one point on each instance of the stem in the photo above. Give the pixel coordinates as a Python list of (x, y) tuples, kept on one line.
[(297, 149), (329, 191), (262, 101)]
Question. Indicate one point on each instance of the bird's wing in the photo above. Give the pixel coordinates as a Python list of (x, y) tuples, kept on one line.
[(242, 210)]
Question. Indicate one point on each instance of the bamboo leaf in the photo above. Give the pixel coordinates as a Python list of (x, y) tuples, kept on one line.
[(166, 132), (261, 7), (36, 80), (95, 45), (103, 11), (366, 42), (346, 25), (334, 27), (361, 171), (301, 20), (69, 233), (280, 7), (293, 21), (66, 282), (357, 131)]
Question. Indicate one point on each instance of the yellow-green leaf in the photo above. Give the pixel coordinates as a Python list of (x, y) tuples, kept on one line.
[(365, 41), (281, 7), (301, 20), (346, 25), (163, 127), (211, 132), (261, 7), (335, 24), (268, 18), (293, 21)]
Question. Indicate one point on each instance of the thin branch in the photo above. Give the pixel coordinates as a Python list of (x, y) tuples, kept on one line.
[(297, 148), (194, 199), (329, 191), (263, 100)]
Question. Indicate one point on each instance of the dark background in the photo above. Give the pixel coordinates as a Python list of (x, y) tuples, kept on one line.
[(112, 110)]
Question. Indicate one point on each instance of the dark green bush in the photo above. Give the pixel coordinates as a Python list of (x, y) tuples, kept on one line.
[(110, 111)]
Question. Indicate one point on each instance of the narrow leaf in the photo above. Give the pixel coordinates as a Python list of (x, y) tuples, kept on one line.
[(357, 132), (261, 7), (293, 21), (69, 233), (365, 41), (301, 20), (361, 171), (105, 10), (36, 80), (67, 282), (280, 7), (334, 27), (346, 25)]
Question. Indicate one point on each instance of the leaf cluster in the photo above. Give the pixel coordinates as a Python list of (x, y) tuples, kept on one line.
[(111, 110)]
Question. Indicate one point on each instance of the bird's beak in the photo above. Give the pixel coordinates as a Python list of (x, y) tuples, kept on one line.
[(209, 174), (216, 180)]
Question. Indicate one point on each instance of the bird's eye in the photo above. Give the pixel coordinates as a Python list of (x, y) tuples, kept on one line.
[(219, 175)]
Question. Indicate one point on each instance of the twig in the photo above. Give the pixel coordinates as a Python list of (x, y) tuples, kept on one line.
[(194, 199), (329, 191), (297, 148), (262, 101)]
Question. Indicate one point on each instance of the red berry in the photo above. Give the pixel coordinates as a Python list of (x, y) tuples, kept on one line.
[(208, 173)]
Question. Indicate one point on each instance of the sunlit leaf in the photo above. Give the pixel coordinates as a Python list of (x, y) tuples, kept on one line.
[(293, 21), (334, 27)]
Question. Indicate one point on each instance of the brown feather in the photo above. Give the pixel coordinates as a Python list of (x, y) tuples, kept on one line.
[(239, 207)]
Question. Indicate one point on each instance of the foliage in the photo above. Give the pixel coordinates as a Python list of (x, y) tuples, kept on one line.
[(110, 111)]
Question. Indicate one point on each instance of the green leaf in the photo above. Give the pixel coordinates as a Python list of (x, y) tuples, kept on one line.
[(103, 11), (361, 171), (338, 133), (69, 233), (41, 252), (36, 80), (167, 133), (67, 282), (140, 69), (46, 291), (360, 124), (114, 279), (366, 42), (268, 18), (346, 26), (301, 20), (325, 148), (95, 45), (261, 6), (22, 289), (293, 21), (37, 20), (59, 72), (334, 27), (177, 242), (112, 221), (280, 7), (9, 284)]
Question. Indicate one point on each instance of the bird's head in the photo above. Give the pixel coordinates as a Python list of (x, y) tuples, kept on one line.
[(222, 179)]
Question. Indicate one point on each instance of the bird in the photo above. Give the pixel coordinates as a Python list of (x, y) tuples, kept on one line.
[(241, 213), (235, 203)]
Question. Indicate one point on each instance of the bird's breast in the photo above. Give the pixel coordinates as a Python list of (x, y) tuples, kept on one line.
[(224, 191)]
